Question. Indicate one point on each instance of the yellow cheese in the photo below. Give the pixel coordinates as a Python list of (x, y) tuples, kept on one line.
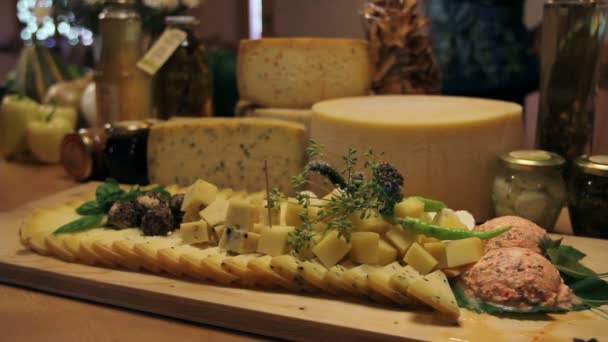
[(386, 253), (227, 152), (331, 249), (410, 206), (364, 247), (301, 116), (434, 290), (241, 214), (437, 250), (371, 221), (297, 72), (273, 240), (421, 260), (194, 232), (198, 195), (462, 252), (445, 147), (400, 238)]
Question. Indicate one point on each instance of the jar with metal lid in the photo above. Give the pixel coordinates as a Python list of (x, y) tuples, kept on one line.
[(82, 154), (588, 196), (530, 184), (126, 151)]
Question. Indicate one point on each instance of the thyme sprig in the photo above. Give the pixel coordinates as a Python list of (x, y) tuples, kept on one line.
[(354, 194)]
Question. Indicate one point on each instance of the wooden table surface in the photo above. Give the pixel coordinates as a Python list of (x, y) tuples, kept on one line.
[(27, 315)]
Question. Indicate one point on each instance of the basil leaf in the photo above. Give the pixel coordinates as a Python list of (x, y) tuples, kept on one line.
[(83, 223), (572, 252), (89, 208)]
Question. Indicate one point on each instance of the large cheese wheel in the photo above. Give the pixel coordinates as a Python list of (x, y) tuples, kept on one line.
[(297, 72), (228, 152), (446, 147)]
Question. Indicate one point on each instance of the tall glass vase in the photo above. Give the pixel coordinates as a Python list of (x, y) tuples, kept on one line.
[(573, 34)]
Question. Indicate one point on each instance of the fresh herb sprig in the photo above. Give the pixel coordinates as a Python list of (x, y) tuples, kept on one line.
[(353, 194), (93, 212)]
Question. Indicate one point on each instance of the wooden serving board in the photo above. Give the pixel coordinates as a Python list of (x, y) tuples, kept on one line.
[(277, 314)]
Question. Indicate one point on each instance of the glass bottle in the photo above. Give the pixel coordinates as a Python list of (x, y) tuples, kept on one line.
[(530, 184), (183, 85), (123, 91)]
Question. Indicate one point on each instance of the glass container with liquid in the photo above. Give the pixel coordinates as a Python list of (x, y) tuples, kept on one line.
[(123, 91)]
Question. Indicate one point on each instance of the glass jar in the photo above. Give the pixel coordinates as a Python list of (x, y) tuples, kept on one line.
[(126, 151), (183, 85), (82, 154), (530, 184), (123, 91), (588, 196)]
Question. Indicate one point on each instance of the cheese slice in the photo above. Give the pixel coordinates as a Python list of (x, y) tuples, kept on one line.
[(297, 72), (228, 152), (446, 147)]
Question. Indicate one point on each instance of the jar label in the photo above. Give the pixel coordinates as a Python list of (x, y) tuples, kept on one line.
[(160, 52)]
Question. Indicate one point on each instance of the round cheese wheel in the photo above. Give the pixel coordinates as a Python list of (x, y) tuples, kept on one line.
[(446, 147), (297, 72)]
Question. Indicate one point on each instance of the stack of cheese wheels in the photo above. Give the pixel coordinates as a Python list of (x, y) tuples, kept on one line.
[(283, 77), (446, 147)]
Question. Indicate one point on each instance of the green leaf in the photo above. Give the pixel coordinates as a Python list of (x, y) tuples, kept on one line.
[(568, 265), (90, 208), (83, 223), (572, 252), (430, 204)]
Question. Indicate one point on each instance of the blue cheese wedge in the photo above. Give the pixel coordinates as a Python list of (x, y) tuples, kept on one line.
[(227, 152)]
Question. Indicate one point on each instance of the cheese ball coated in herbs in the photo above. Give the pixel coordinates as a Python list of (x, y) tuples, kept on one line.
[(523, 233)]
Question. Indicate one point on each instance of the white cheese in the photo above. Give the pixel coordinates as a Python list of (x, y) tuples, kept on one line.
[(446, 147), (227, 152), (297, 72)]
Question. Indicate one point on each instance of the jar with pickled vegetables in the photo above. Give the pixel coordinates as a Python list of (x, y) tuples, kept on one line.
[(530, 184), (183, 85), (588, 196)]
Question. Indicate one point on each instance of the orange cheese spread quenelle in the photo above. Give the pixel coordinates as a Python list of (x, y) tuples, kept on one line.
[(446, 147)]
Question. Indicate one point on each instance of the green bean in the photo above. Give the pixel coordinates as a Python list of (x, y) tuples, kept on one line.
[(443, 233), (430, 204)]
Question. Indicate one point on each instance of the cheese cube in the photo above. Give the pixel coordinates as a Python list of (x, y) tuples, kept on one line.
[(331, 249), (194, 232), (306, 252), (462, 252), (297, 72), (215, 213), (241, 214), (437, 250), (434, 290), (370, 222), (386, 253), (227, 152), (448, 218), (292, 212), (273, 240), (409, 207), (191, 215), (239, 241), (403, 278), (421, 260), (199, 195), (364, 247), (400, 238), (264, 211)]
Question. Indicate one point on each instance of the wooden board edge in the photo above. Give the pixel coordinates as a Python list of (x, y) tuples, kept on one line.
[(210, 313)]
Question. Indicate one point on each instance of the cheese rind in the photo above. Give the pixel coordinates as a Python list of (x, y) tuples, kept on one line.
[(446, 147), (297, 72), (227, 152)]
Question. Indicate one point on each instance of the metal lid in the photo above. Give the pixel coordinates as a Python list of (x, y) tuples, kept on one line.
[(528, 160), (77, 155), (121, 2), (595, 165), (127, 127), (185, 20)]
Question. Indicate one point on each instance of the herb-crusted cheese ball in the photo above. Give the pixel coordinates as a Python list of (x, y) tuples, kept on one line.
[(297, 72), (228, 152)]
